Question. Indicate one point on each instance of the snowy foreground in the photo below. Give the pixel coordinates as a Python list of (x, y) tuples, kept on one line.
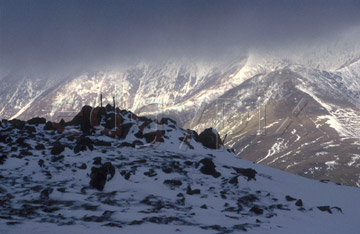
[(167, 187)]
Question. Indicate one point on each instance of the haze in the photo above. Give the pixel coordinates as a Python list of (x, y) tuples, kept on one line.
[(68, 36)]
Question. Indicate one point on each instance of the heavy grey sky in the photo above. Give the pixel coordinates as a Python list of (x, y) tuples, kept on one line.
[(65, 35)]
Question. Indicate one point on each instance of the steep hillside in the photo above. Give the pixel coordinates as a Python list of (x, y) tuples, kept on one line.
[(111, 171)]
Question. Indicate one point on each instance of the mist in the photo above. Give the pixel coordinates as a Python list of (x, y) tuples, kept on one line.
[(70, 36)]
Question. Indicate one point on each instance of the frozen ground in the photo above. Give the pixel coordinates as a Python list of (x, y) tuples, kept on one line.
[(165, 187)]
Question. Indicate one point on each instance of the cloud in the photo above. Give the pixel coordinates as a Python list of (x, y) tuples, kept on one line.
[(73, 35)]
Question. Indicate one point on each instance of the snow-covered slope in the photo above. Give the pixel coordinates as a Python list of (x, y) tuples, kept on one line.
[(152, 184), (18, 92)]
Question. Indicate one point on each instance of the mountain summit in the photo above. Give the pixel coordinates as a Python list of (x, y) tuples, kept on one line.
[(110, 170)]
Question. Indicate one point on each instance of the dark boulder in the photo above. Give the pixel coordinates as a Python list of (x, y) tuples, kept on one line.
[(41, 162), (190, 191), (57, 148), (125, 128), (289, 198), (85, 124), (338, 209), (146, 121), (247, 199), (97, 161), (82, 166), (257, 210), (173, 182), (83, 144), (137, 143), (99, 175), (30, 129), (194, 135), (234, 180), (126, 144), (102, 143), (149, 137), (110, 170), (2, 159), (139, 134), (21, 142), (82, 119), (44, 195), (167, 121), (40, 147), (209, 138), (208, 168), (18, 124), (325, 209), (49, 126), (299, 203), (247, 172), (57, 158), (36, 121)]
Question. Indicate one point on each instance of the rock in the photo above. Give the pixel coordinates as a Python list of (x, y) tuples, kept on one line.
[(2, 159), (83, 144), (57, 149), (149, 137), (97, 161), (299, 203), (137, 143), (61, 190), (173, 182), (192, 191), (44, 195), (337, 209), (39, 147), (125, 128), (49, 126), (57, 158), (234, 180), (126, 144), (30, 129), (146, 121), (18, 124), (325, 208), (203, 206), (289, 198), (247, 199), (139, 135), (36, 121), (247, 172), (102, 143), (82, 166), (208, 168), (188, 163), (209, 138), (150, 173), (99, 175), (167, 170), (167, 121), (85, 124), (21, 142), (110, 170), (41, 162), (257, 210)]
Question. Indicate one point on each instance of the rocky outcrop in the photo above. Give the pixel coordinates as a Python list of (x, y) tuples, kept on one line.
[(99, 175)]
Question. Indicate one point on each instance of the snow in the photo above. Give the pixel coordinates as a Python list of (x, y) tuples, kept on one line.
[(279, 146), (354, 159), (331, 164), (123, 199)]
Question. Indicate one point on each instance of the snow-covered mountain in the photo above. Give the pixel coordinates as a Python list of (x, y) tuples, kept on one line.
[(111, 171), (308, 104)]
